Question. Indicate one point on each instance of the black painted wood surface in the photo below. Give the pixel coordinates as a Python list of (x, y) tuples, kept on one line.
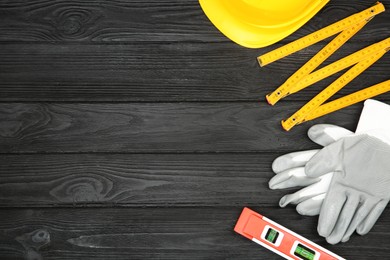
[(135, 130)]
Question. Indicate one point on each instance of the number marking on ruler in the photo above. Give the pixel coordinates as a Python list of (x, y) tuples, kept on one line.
[(285, 89), (350, 99), (306, 75), (340, 65), (321, 34), (302, 114)]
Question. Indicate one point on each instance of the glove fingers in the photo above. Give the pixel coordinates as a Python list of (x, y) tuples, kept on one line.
[(312, 206), (325, 134), (372, 217), (330, 211), (303, 194), (360, 215), (292, 160), (294, 177), (325, 161), (344, 219)]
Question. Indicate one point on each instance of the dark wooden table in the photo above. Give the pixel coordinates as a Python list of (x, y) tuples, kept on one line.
[(135, 130)]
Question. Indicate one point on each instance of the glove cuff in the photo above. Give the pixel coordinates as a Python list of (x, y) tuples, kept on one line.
[(375, 120)]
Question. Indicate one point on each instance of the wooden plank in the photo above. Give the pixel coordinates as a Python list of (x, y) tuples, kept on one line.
[(156, 127), (163, 233), (137, 180), (142, 21), (158, 72)]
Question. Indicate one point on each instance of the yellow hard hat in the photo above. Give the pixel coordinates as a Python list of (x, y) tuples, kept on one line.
[(259, 23)]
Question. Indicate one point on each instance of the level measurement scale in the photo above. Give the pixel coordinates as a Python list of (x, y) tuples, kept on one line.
[(279, 239)]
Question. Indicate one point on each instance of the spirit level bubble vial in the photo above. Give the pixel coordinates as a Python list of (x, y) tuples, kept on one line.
[(279, 239)]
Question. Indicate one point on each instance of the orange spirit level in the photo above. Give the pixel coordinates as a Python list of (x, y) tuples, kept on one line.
[(279, 239)]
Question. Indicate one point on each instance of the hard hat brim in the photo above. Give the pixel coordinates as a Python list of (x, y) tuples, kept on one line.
[(252, 29)]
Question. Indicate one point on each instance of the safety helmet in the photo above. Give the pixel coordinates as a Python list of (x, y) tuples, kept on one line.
[(259, 23)]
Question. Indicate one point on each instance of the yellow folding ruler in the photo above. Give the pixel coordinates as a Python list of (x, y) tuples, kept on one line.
[(305, 76)]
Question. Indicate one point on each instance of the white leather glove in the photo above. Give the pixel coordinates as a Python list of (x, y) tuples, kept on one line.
[(374, 121), (360, 187), (290, 172)]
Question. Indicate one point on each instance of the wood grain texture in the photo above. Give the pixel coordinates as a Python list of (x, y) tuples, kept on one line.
[(134, 130), (172, 53), (158, 72), (163, 233), (156, 127), (141, 21), (137, 180)]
